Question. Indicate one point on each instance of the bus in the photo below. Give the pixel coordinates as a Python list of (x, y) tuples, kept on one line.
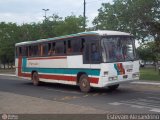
[(88, 59)]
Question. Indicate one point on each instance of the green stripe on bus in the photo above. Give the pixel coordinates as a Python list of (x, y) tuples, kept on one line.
[(71, 71)]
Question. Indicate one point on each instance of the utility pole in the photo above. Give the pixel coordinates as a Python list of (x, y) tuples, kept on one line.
[(45, 12), (84, 16)]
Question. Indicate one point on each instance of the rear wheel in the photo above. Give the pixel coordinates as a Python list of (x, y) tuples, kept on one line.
[(113, 87), (84, 83), (35, 79)]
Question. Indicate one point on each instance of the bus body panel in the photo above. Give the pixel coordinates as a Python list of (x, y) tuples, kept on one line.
[(48, 69)]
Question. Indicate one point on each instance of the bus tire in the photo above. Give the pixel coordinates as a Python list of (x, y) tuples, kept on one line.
[(84, 83), (113, 87), (35, 79)]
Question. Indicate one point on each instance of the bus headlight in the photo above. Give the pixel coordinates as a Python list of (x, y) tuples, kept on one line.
[(112, 78), (135, 75)]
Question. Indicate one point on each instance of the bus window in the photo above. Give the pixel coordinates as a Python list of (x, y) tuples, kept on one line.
[(76, 46), (30, 51), (95, 54), (49, 49), (24, 51), (69, 47), (20, 51), (82, 44), (86, 58), (39, 50), (35, 50), (27, 51), (65, 47), (45, 49), (60, 47), (16, 53), (53, 48)]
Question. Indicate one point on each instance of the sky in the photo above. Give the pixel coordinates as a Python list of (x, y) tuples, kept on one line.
[(27, 11)]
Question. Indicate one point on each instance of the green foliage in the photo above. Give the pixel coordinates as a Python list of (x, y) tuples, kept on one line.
[(8, 37), (139, 17), (149, 52)]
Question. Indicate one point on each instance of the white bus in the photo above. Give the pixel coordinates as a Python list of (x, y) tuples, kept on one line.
[(87, 59)]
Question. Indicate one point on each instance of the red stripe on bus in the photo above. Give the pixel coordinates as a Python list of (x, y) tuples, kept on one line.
[(93, 80), (58, 77), (19, 66), (47, 58), (61, 78)]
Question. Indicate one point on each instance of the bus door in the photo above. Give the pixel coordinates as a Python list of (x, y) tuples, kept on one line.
[(92, 56)]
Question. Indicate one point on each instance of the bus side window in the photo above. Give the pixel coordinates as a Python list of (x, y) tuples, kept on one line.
[(65, 47), (60, 47), (20, 51), (53, 48), (76, 46), (69, 47), (45, 49), (95, 54), (27, 51), (49, 49), (39, 50), (35, 50), (24, 51), (30, 51), (82, 44), (16, 52), (86, 54)]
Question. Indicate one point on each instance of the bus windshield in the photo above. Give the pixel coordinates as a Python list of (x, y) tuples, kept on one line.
[(118, 49)]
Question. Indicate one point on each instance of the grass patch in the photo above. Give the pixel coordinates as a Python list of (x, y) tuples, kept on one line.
[(149, 74), (9, 71)]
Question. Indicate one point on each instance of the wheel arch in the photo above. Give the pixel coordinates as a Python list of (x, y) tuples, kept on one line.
[(33, 72), (79, 74)]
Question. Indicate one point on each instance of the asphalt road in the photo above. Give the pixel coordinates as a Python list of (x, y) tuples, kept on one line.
[(128, 98)]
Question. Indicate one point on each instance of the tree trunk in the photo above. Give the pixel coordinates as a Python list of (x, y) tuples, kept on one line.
[(11, 65), (4, 65), (8, 65)]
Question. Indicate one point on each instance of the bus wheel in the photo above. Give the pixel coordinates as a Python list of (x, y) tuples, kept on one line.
[(113, 87), (35, 79), (84, 83)]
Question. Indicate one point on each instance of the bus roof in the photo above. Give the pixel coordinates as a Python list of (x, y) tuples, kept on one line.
[(99, 32)]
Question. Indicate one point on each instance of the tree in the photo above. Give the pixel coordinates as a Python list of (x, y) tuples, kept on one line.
[(70, 24), (8, 38), (149, 52), (139, 17)]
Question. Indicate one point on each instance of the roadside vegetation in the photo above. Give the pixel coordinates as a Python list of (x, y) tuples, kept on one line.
[(149, 74), (8, 71)]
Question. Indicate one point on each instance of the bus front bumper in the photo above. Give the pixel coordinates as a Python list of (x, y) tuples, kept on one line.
[(107, 82)]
